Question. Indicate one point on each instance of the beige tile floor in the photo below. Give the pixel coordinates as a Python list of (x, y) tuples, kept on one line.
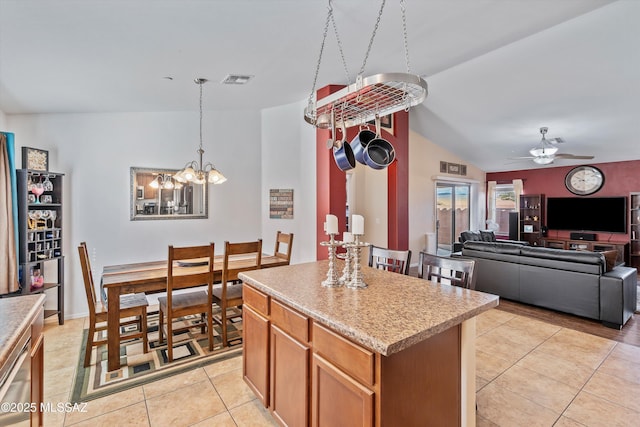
[(528, 373)]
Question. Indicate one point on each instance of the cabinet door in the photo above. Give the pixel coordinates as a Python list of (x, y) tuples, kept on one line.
[(255, 361), (337, 399), (289, 379)]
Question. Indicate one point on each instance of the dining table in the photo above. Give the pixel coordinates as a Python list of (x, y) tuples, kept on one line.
[(151, 277)]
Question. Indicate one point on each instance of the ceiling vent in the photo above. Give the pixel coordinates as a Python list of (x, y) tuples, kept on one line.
[(237, 79)]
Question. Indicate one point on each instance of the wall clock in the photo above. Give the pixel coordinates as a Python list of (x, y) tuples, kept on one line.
[(584, 180)]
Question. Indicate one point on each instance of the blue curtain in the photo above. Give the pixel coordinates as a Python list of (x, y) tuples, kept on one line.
[(11, 151)]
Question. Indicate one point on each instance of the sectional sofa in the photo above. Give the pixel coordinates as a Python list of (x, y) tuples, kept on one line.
[(576, 282)]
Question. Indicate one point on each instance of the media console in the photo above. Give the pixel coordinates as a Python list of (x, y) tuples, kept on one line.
[(589, 245)]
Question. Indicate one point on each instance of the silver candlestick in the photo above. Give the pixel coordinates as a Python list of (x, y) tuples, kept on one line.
[(332, 275), (346, 271), (357, 280)]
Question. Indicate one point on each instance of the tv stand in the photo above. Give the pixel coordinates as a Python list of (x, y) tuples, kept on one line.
[(588, 245)]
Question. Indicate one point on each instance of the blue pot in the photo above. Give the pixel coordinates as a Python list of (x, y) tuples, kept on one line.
[(379, 153), (360, 142), (344, 157)]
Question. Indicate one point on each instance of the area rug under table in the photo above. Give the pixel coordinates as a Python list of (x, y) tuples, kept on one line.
[(190, 351)]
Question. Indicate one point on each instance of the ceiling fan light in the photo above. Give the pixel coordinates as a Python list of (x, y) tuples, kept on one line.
[(543, 160), (541, 152)]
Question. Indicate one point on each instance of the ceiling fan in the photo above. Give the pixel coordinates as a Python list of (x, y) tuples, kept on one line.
[(545, 153)]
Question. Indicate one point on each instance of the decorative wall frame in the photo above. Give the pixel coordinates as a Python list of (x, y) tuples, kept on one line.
[(35, 159), (281, 203), (453, 168)]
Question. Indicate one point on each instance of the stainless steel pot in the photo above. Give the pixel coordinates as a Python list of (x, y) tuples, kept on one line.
[(360, 142), (379, 153), (342, 152)]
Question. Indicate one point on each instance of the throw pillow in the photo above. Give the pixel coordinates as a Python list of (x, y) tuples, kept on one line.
[(610, 258), (487, 236)]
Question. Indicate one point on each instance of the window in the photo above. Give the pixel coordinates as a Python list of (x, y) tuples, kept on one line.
[(504, 202)]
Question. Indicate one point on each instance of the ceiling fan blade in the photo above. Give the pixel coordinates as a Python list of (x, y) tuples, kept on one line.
[(555, 140), (573, 156), (521, 158)]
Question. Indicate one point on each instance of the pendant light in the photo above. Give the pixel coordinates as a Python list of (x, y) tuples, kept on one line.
[(195, 171)]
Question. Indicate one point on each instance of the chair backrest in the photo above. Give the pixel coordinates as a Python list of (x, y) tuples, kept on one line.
[(250, 253), (87, 277), (283, 239), (197, 270), (389, 259), (453, 271)]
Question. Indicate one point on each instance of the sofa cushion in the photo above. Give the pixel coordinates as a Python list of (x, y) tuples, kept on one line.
[(493, 247), (468, 235), (487, 236), (579, 261)]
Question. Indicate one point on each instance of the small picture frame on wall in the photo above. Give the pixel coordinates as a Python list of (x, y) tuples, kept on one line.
[(528, 228), (35, 159), (453, 168)]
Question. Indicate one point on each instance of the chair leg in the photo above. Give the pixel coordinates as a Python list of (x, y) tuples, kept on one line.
[(143, 329), (160, 323), (87, 353), (223, 316), (210, 327), (169, 337)]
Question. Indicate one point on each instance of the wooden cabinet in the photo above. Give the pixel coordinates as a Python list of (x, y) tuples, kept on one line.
[(255, 363), (531, 217), (634, 230), (40, 236), (308, 374)]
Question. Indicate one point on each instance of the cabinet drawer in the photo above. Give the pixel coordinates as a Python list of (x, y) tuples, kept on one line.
[(290, 321), (351, 358), (256, 299)]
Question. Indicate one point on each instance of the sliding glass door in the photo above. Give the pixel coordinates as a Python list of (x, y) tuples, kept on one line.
[(452, 214)]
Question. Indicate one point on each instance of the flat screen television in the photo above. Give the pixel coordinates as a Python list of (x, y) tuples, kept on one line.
[(603, 214)]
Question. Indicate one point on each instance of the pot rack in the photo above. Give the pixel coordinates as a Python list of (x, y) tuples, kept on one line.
[(369, 97)]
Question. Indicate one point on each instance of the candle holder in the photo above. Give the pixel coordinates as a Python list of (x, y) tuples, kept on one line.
[(347, 270), (357, 280), (332, 275)]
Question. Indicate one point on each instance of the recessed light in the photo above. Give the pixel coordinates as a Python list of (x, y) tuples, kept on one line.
[(237, 79)]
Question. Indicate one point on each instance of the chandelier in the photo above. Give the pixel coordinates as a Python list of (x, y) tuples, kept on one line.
[(165, 181), (195, 171)]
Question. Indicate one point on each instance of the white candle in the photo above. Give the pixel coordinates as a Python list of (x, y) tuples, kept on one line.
[(347, 237), (331, 224), (357, 224)]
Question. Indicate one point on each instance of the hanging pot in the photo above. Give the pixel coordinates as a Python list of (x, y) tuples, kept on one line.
[(343, 154), (379, 153), (360, 142)]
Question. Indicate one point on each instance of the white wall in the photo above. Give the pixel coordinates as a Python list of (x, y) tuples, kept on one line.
[(95, 151), (3, 122), (288, 161), (424, 165)]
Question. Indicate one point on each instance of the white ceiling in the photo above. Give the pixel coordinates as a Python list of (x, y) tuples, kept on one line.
[(497, 69)]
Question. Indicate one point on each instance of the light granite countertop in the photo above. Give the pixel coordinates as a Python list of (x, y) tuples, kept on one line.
[(16, 315), (393, 313)]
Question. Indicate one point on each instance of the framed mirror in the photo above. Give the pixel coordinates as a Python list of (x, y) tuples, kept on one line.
[(155, 194)]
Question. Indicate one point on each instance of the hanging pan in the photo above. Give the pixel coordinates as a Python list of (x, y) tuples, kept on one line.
[(360, 142), (379, 153), (342, 152)]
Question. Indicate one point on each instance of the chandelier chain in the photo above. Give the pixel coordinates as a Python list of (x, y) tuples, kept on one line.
[(200, 83), (324, 38), (403, 8), (344, 61), (373, 36)]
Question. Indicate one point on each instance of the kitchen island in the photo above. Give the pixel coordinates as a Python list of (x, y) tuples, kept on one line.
[(400, 352)]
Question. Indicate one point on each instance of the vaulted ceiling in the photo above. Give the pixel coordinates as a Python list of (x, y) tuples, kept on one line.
[(497, 70)]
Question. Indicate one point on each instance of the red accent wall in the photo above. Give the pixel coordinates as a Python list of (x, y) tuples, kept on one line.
[(620, 179)]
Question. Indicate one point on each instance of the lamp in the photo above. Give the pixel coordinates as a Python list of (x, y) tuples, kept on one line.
[(196, 171)]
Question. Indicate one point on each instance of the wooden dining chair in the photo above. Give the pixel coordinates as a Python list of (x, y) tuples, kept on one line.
[(389, 259), (286, 240), (196, 270), (131, 305), (453, 271), (229, 293)]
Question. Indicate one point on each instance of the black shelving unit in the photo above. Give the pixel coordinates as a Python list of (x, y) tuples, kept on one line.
[(40, 247)]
